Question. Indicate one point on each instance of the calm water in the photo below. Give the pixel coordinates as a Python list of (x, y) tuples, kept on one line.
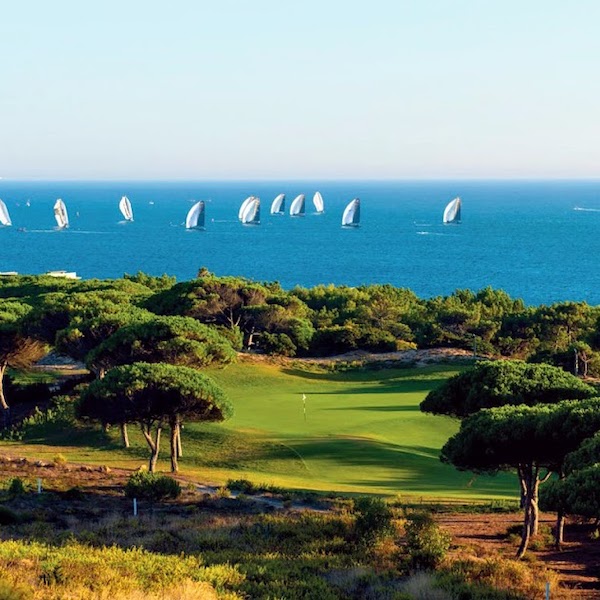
[(523, 237)]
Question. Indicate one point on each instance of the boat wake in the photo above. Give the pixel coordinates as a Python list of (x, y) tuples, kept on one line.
[(433, 233), (586, 209)]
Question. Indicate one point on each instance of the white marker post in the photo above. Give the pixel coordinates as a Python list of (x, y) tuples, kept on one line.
[(135, 507), (304, 405), (39, 482), (547, 590)]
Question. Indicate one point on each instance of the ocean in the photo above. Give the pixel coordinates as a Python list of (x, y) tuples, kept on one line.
[(537, 240)]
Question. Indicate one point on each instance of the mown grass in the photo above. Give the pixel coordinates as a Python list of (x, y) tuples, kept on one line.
[(362, 433)]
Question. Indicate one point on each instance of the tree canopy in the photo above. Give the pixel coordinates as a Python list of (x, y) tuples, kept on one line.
[(526, 439), (176, 340), (154, 395), (17, 349), (498, 383)]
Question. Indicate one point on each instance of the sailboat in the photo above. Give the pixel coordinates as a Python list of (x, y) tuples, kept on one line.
[(125, 208), (244, 206), (60, 214), (318, 202), (351, 216), (278, 205), (195, 216), (251, 214), (452, 211), (297, 206), (4, 216)]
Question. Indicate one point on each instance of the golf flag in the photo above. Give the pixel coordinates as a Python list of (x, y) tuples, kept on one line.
[(304, 405)]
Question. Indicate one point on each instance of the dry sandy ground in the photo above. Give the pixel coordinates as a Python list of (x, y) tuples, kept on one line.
[(418, 358), (578, 563)]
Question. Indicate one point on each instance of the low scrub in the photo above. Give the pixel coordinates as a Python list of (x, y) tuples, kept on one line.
[(426, 544), (373, 519), (152, 487)]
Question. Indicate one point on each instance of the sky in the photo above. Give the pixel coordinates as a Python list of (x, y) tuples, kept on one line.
[(317, 89)]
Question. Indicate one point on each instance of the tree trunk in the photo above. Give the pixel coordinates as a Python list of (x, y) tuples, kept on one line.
[(154, 456), (560, 520), (3, 403), (179, 446), (124, 435), (153, 444), (525, 535), (560, 529), (526, 478), (535, 511), (174, 435)]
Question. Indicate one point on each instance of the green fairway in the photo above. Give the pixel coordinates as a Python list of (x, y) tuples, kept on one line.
[(363, 432)]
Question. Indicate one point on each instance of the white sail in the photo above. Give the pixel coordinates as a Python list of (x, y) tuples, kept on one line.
[(60, 214), (351, 216), (251, 215), (125, 208), (4, 216), (297, 206), (195, 216), (278, 205), (452, 211), (244, 206), (318, 202)]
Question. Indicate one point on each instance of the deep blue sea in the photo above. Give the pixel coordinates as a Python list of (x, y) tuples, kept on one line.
[(539, 241)]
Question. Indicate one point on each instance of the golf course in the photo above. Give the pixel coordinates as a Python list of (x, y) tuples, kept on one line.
[(302, 426)]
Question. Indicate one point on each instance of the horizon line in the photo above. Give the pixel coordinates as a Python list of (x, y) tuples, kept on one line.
[(292, 179)]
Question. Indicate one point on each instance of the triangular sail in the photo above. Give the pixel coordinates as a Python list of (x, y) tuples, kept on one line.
[(452, 211), (195, 216), (244, 206), (278, 205), (125, 208), (318, 202), (4, 216), (251, 215), (60, 214), (297, 206), (351, 216)]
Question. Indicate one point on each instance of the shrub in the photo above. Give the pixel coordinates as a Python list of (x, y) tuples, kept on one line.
[(277, 344), (16, 487), (244, 486), (153, 487), (426, 543), (373, 519), (59, 460)]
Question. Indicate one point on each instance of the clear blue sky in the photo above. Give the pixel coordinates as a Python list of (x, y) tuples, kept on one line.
[(310, 89)]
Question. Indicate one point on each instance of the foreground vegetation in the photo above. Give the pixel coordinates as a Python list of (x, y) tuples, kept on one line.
[(295, 424), (82, 541)]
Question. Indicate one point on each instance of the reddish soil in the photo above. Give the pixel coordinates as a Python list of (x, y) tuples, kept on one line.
[(578, 563)]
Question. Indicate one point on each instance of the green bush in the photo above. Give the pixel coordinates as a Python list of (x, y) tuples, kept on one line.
[(277, 344), (243, 486), (16, 487), (373, 519), (426, 543), (153, 487)]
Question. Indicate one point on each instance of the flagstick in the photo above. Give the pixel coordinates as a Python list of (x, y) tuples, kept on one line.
[(304, 405)]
